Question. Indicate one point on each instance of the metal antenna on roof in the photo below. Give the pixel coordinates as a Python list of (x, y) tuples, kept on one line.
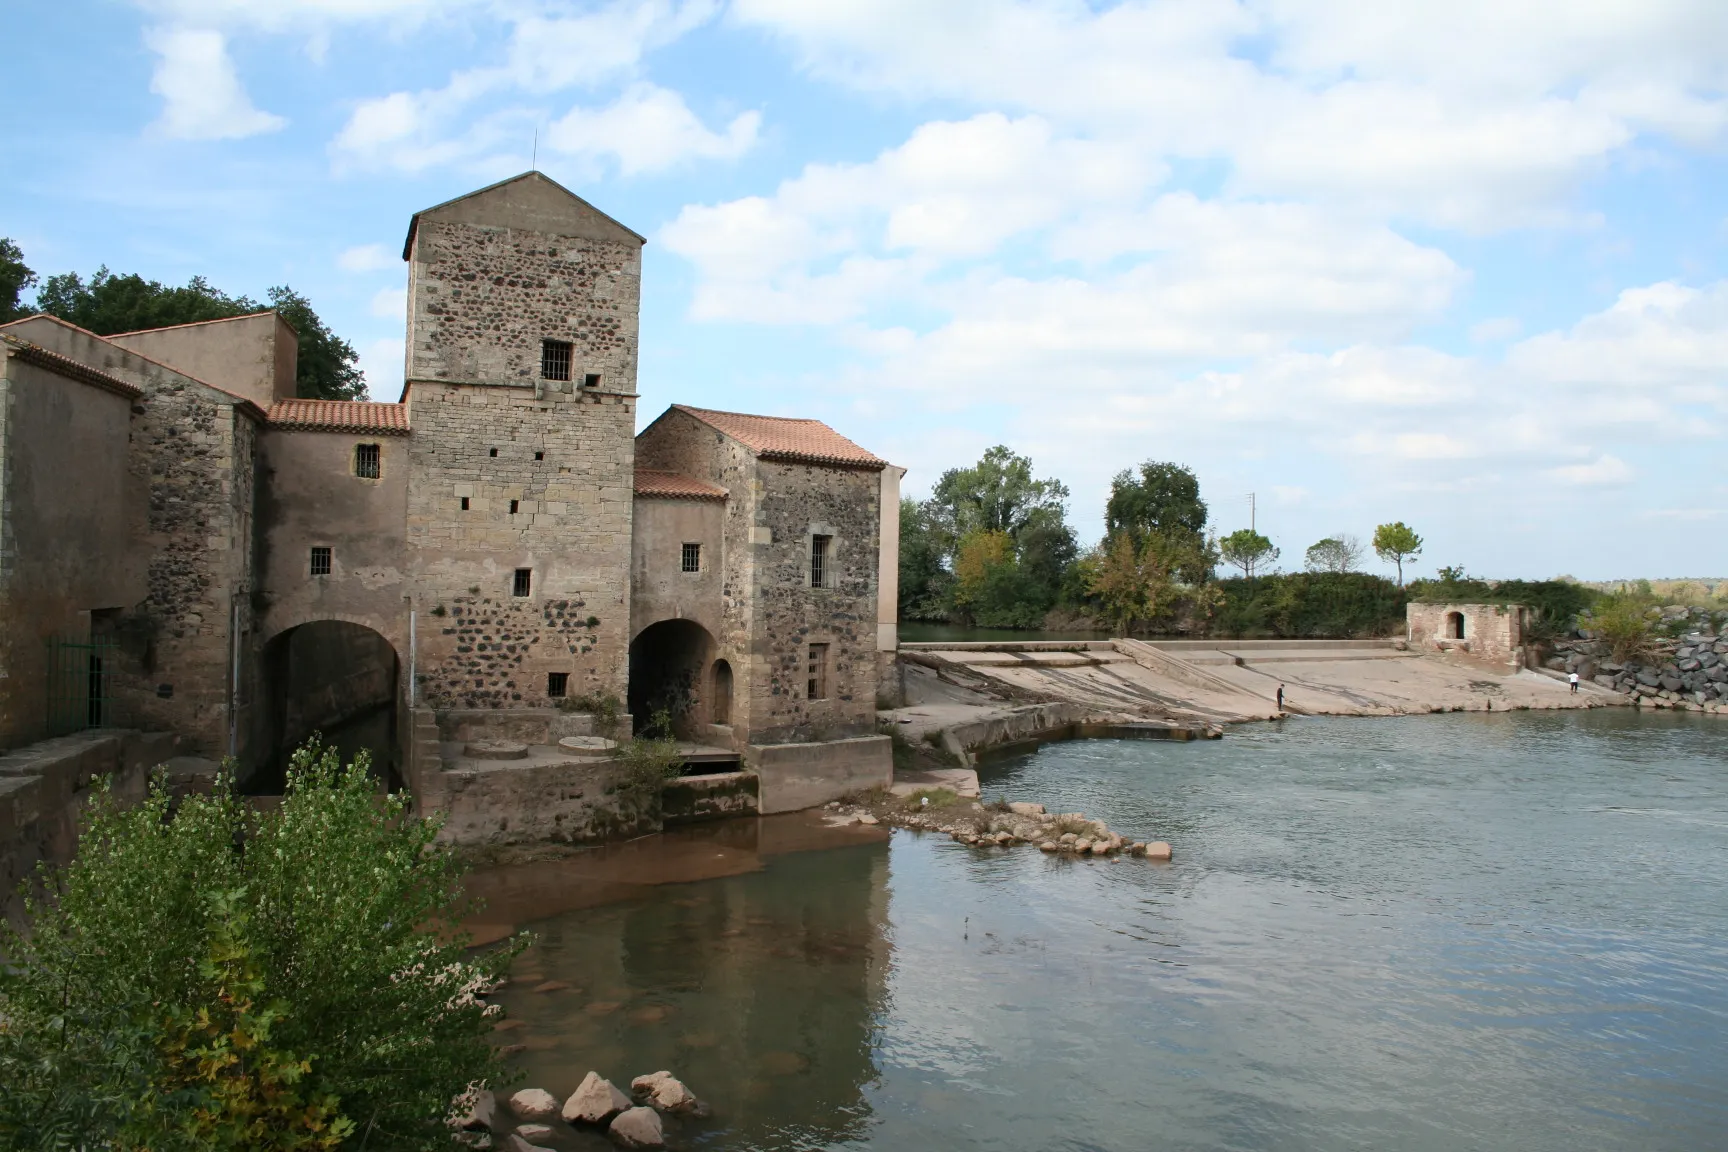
[(534, 164)]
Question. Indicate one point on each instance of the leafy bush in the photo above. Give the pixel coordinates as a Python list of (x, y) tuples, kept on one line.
[(212, 977), (1628, 622), (606, 709), (650, 760), (1310, 606)]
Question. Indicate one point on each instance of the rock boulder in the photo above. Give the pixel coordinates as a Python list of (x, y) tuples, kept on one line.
[(638, 1128), (595, 1101), (534, 1104), (667, 1093)]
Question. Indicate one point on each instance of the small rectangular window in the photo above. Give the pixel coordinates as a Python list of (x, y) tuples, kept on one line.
[(819, 574), (592, 380), (512, 507), (524, 581), (493, 452), (464, 503), (557, 684), (817, 689), (555, 359), (692, 557), (366, 461), (320, 561), (539, 455)]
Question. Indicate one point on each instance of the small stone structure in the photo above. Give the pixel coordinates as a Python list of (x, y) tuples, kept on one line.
[(1492, 632), (239, 566)]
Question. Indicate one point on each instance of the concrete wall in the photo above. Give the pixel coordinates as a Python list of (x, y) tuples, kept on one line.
[(659, 587), (192, 449), (798, 776), (1491, 631), (70, 517), (567, 801), (253, 356)]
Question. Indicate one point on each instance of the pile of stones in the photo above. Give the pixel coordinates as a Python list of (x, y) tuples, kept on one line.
[(1005, 826), (1691, 672), (534, 1114)]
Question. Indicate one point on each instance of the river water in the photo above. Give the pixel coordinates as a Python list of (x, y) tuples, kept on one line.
[(1439, 932)]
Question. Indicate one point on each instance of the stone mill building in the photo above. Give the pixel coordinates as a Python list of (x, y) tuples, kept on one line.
[(456, 580)]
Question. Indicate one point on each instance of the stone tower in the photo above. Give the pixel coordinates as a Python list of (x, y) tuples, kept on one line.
[(521, 386)]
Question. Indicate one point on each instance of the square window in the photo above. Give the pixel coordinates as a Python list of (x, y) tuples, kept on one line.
[(692, 557), (320, 561), (555, 359), (539, 455), (557, 684), (817, 688), (366, 461), (493, 452), (464, 503), (592, 380), (819, 566), (523, 583)]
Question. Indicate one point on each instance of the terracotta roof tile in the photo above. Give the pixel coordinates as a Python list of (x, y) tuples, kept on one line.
[(360, 416), (676, 486), (783, 438)]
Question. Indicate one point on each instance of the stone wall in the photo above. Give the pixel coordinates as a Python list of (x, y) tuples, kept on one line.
[(480, 646), (804, 775), (253, 356), (1493, 632), (660, 589), (797, 502)]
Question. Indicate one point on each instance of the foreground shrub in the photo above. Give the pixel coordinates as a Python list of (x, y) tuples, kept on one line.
[(216, 978)]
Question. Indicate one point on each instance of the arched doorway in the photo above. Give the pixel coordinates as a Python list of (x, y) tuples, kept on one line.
[(722, 693), (335, 679), (667, 663), (1454, 625)]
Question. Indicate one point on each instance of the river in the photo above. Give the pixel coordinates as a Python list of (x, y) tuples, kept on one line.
[(1437, 932)]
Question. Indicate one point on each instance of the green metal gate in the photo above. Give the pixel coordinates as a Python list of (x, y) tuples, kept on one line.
[(79, 675)]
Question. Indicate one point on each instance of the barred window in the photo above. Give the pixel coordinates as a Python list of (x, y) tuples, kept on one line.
[(692, 557), (819, 573), (320, 561), (557, 684), (817, 688), (523, 583), (366, 461), (555, 359)]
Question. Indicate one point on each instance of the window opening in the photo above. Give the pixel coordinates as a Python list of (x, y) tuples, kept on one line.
[(817, 688), (320, 561), (819, 561), (493, 452), (557, 684), (366, 463), (592, 380), (524, 581), (1455, 625), (464, 503), (539, 455), (692, 557), (722, 692), (512, 507), (555, 359)]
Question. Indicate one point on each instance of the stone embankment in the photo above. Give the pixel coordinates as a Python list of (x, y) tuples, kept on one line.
[(533, 1115), (1689, 672), (999, 824)]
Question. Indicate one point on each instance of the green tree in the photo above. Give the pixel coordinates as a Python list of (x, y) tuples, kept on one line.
[(15, 277), (924, 577), (1247, 549), (1395, 543), (202, 972), (108, 304), (1164, 497), (1340, 553), (1138, 581), (1001, 494)]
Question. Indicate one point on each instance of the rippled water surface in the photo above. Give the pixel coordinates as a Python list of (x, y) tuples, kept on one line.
[(1438, 932)]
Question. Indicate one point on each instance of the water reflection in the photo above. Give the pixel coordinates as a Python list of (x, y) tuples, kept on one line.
[(753, 970)]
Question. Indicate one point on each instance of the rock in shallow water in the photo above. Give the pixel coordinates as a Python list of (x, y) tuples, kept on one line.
[(534, 1104), (1158, 850), (480, 1114), (595, 1101), (639, 1128), (668, 1093)]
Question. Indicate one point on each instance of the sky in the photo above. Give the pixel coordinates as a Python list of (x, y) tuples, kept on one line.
[(1459, 263)]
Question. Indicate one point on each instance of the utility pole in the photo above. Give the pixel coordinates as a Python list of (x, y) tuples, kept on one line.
[(1250, 511)]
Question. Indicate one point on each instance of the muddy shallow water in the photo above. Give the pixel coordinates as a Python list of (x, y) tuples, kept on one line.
[(1423, 932)]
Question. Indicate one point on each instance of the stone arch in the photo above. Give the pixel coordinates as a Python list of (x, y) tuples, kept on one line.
[(669, 662), (1454, 626), (334, 675), (720, 689)]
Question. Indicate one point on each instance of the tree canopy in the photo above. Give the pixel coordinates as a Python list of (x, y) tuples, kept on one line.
[(1395, 543), (1164, 497), (15, 277), (1247, 549), (106, 304), (1340, 553)]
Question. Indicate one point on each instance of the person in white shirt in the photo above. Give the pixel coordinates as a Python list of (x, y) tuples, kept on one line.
[(1572, 679)]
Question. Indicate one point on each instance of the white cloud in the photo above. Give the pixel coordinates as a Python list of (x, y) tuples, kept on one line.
[(201, 94), (1666, 341), (649, 129), (366, 258), (391, 304), (1495, 330), (1603, 470)]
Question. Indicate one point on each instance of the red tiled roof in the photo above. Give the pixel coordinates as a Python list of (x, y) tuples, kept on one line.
[(359, 416), (676, 486), (783, 438)]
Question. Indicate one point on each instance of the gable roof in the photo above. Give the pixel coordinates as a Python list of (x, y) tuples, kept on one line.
[(784, 438), (676, 486), (67, 367), (533, 201), (364, 417)]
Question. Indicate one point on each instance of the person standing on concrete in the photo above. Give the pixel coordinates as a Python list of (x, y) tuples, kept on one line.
[(1572, 679), (1280, 697)]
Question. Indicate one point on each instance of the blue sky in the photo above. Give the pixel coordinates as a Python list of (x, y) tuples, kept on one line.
[(1454, 262)]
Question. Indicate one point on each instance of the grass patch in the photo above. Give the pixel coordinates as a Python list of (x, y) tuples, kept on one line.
[(1075, 824), (938, 797)]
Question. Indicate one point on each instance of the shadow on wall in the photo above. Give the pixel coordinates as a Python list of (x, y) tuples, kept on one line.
[(333, 678), (668, 662)]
